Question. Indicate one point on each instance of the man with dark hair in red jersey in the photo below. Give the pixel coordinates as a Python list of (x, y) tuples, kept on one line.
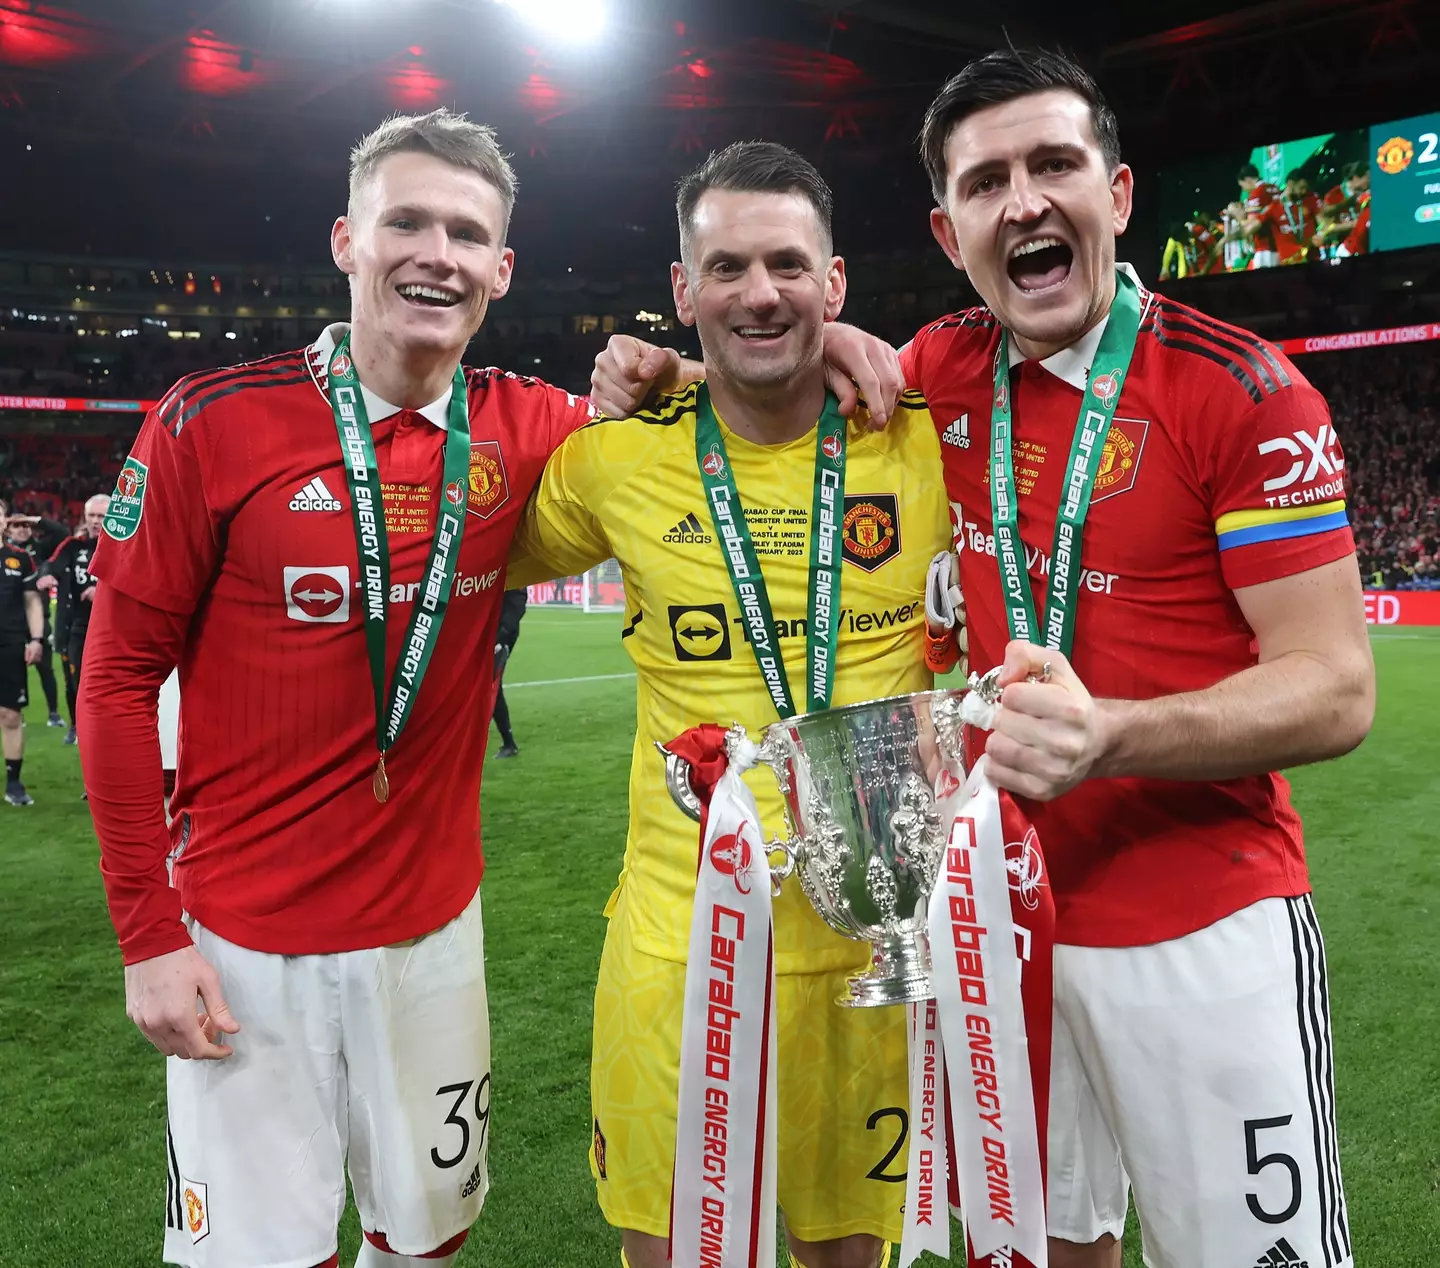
[(1148, 506)]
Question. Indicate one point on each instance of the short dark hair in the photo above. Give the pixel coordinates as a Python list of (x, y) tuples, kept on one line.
[(1003, 76), (1248, 171), (1361, 168), (754, 167)]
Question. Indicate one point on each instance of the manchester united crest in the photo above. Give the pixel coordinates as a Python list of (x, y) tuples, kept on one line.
[(870, 531), (1120, 458), (489, 489), (1395, 155)]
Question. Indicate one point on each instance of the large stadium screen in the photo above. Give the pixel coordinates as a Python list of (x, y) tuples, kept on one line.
[(1321, 198), (1285, 203), (1405, 157)]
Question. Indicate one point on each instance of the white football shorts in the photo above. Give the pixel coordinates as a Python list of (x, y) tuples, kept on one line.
[(1200, 1070), (381, 1057)]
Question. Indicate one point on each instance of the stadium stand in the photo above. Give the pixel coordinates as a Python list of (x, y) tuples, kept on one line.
[(148, 326), (1384, 406)]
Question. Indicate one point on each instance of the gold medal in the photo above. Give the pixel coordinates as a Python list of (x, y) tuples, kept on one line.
[(380, 785)]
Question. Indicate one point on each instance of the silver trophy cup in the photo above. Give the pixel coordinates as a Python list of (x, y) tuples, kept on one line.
[(863, 832)]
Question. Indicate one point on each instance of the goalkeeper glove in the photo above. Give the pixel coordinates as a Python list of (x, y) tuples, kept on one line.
[(947, 641)]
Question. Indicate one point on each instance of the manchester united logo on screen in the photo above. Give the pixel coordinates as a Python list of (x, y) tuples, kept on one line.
[(489, 490), (1120, 458), (1395, 155), (871, 529)]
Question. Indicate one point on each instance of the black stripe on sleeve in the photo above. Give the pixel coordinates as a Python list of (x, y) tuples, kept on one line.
[(1177, 322), (1237, 372), (1252, 341)]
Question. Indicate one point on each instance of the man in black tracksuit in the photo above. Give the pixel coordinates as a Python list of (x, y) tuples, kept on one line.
[(39, 536), (69, 564), (21, 638), (512, 608)]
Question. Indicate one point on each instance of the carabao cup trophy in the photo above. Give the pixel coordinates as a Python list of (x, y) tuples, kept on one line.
[(864, 834)]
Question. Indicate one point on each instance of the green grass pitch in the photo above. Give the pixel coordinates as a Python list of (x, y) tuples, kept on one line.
[(82, 1095)]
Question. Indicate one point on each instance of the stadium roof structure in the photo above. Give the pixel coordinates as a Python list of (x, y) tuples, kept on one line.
[(116, 115), (235, 76)]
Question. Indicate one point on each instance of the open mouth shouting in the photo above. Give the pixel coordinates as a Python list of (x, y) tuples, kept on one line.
[(1040, 264), (426, 296)]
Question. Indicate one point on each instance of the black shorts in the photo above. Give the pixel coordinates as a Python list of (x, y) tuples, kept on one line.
[(13, 676)]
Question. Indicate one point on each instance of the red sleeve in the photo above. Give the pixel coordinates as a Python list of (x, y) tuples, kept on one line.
[(161, 543), (910, 363), (1275, 476), (568, 413), (129, 651)]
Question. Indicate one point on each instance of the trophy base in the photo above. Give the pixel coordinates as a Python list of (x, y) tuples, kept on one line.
[(899, 973)]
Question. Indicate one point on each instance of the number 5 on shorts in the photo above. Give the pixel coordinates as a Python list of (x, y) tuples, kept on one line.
[(458, 1118), (1255, 1164)]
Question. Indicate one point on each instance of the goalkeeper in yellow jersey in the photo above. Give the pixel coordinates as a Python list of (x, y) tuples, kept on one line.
[(758, 279)]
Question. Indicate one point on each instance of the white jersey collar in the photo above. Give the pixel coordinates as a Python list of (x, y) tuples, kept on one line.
[(1072, 364), (376, 409)]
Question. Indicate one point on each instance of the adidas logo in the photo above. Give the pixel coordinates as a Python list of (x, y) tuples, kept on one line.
[(473, 1182), (1281, 1255), (689, 532), (314, 497), (958, 433)]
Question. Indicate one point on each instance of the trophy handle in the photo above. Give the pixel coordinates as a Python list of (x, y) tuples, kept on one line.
[(677, 780), (783, 870)]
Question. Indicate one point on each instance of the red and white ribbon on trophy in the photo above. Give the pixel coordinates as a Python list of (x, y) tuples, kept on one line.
[(980, 1050), (722, 1206)]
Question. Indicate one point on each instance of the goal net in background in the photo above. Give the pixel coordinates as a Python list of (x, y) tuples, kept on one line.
[(599, 590)]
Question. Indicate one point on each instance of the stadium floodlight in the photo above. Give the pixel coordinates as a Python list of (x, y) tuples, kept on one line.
[(576, 21)]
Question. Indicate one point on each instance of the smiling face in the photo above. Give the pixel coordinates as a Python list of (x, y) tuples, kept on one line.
[(759, 284), (423, 244), (1031, 215)]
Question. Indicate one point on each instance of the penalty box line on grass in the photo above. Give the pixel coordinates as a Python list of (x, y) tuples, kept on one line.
[(556, 682)]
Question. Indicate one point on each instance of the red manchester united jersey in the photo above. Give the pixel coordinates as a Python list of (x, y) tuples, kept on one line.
[(1221, 470), (236, 513), (1256, 201), (1292, 225)]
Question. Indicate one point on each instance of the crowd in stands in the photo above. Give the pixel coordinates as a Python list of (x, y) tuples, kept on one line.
[(1386, 407), (53, 475), (39, 362)]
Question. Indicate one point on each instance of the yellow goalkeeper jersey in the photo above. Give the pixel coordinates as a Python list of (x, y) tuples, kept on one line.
[(631, 489)]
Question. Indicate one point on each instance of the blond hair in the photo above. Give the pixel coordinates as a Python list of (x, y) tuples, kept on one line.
[(450, 137)]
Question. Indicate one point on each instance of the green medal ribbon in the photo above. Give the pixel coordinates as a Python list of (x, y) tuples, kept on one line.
[(367, 507), (743, 565), (1097, 409)]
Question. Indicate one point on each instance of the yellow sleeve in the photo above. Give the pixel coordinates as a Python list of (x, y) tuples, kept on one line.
[(560, 533)]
